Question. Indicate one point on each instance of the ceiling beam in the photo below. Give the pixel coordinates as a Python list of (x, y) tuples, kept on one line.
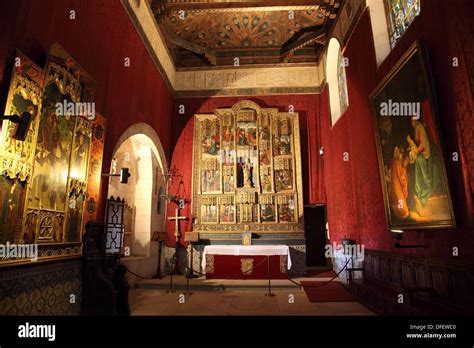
[(301, 39), (208, 55), (197, 5)]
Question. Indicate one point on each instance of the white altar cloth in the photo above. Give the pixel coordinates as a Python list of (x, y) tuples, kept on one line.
[(246, 250)]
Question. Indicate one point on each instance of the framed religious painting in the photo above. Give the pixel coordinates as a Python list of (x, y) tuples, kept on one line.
[(17, 157), (409, 146)]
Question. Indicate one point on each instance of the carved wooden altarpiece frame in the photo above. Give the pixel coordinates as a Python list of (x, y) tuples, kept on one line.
[(247, 174)]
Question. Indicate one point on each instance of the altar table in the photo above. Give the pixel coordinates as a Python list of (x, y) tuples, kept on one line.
[(246, 261)]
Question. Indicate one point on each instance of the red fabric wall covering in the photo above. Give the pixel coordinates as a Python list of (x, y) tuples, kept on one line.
[(100, 37), (308, 107), (354, 194)]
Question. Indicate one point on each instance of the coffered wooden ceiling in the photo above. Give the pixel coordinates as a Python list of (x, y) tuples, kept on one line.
[(200, 33)]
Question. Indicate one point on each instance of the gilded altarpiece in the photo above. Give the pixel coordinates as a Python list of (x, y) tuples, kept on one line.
[(247, 173), (17, 157), (43, 186), (95, 167)]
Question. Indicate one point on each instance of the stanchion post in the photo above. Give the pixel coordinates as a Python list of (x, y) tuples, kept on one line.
[(269, 294), (170, 290), (187, 287)]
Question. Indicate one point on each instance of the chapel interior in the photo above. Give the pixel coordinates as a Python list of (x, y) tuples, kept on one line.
[(239, 153)]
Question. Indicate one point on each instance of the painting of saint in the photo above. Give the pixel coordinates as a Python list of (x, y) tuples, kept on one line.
[(264, 157), (228, 134), (80, 156), (265, 182), (284, 145), (251, 135), (241, 136), (267, 212), (228, 183), (227, 213), (53, 150), (264, 133), (11, 207), (73, 228), (211, 138), (412, 168), (210, 181), (285, 213), (283, 180), (276, 145), (208, 213)]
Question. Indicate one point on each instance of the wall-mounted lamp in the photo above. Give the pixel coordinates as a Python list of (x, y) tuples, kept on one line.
[(124, 175), (23, 124), (398, 236)]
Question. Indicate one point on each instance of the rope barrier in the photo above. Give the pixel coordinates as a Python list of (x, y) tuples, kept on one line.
[(243, 273), (320, 285), (165, 275)]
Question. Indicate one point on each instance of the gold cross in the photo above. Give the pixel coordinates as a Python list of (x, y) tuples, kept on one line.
[(176, 218)]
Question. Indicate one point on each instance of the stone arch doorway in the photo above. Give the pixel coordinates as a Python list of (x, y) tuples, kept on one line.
[(140, 149)]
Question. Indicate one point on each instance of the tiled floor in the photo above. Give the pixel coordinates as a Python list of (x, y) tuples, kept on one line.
[(158, 302)]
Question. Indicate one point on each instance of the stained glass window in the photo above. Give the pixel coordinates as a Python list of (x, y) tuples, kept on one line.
[(400, 14), (342, 83)]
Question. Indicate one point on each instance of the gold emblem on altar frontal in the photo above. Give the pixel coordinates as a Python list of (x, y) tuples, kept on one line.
[(246, 266), (247, 171)]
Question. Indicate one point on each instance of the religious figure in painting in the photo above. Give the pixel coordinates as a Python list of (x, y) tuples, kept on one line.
[(81, 152), (264, 134), (227, 134), (265, 160), (241, 137), (267, 212), (251, 135), (209, 213), (285, 214), (10, 212), (414, 181), (210, 181), (399, 184), (31, 221), (279, 181), (276, 145), (228, 183), (427, 169), (266, 184), (284, 145), (52, 158), (211, 141), (213, 147), (283, 180), (212, 213), (227, 214)]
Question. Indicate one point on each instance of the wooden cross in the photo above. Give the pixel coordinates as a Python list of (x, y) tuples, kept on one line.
[(176, 218)]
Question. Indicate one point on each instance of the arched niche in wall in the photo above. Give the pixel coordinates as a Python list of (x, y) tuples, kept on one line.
[(140, 150)]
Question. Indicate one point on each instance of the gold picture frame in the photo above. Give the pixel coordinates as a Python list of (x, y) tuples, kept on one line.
[(410, 152)]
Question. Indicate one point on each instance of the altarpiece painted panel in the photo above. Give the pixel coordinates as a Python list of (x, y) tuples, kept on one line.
[(16, 157), (247, 172), (43, 186)]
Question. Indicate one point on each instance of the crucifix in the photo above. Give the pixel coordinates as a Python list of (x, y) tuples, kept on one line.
[(176, 218)]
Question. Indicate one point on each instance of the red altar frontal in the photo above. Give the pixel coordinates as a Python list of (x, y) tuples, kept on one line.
[(246, 262)]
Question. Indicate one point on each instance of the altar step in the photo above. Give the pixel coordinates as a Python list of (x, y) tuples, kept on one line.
[(203, 284)]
